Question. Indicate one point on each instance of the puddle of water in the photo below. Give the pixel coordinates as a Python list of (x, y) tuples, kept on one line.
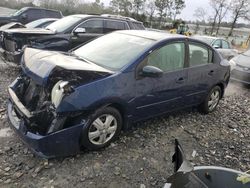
[(5, 132)]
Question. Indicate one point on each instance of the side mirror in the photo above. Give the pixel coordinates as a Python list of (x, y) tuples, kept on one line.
[(151, 71), (216, 46), (24, 16), (79, 30)]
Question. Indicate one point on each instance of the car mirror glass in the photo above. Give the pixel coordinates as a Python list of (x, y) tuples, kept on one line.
[(79, 30), (151, 71)]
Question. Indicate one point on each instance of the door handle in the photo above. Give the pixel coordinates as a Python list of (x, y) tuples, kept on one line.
[(211, 73), (180, 80)]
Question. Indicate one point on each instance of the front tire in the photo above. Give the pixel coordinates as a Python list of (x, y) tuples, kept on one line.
[(211, 101), (103, 127)]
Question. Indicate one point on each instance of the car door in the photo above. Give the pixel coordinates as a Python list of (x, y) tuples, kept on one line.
[(165, 93), (92, 28), (201, 72)]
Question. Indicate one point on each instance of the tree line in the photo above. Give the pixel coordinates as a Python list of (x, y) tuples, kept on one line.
[(238, 10), (153, 13)]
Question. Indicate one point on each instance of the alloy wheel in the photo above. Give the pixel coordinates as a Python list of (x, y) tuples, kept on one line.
[(102, 129), (213, 100)]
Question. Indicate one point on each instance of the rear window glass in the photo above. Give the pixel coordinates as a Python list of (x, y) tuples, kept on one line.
[(138, 25)]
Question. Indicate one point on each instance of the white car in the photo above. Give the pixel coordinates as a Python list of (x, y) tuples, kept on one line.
[(222, 46)]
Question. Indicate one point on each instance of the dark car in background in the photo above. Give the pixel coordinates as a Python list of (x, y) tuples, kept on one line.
[(240, 68), (84, 98), (63, 34), (221, 45), (29, 14)]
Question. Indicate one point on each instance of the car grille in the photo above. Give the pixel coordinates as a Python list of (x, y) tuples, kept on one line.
[(9, 45), (240, 75)]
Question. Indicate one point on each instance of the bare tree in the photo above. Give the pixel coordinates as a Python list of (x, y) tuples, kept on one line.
[(151, 8), (121, 6), (240, 9), (162, 7), (176, 7), (218, 7), (138, 5), (200, 14)]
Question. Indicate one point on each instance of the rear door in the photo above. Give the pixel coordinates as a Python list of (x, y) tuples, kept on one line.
[(162, 94), (93, 28), (201, 73)]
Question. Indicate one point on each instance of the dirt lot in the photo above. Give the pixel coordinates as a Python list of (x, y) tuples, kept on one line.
[(141, 157)]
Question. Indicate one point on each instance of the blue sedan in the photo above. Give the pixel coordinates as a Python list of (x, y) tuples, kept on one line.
[(63, 102)]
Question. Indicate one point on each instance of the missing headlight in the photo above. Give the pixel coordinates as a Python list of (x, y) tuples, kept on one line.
[(60, 89)]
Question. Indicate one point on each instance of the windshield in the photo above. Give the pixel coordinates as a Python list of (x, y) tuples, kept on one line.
[(64, 23), (113, 51), (35, 23), (207, 40), (19, 12)]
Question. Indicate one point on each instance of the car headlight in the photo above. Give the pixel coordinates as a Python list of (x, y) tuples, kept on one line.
[(59, 90)]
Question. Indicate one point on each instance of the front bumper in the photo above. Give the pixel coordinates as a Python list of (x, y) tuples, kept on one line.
[(61, 143), (241, 76), (14, 57)]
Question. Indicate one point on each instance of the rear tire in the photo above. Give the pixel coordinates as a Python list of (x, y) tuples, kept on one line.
[(211, 101), (102, 127)]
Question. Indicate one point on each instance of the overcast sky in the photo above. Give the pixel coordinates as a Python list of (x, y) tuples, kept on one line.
[(188, 11)]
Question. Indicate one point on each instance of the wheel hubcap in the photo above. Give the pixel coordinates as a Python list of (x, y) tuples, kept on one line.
[(102, 129), (214, 99)]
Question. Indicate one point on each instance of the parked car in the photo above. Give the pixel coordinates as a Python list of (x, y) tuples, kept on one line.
[(29, 14), (64, 101), (64, 34), (223, 46), (188, 176), (240, 68)]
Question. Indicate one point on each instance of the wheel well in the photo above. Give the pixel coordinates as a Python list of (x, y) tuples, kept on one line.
[(222, 89), (122, 111)]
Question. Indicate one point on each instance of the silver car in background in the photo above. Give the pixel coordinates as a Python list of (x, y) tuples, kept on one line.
[(222, 46), (240, 68)]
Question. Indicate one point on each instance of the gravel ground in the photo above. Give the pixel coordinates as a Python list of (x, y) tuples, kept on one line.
[(142, 156)]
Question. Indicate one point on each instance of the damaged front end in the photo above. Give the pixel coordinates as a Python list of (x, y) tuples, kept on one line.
[(34, 108), (34, 117)]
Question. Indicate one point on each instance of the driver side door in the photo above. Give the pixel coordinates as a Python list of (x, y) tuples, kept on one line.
[(93, 29), (156, 95)]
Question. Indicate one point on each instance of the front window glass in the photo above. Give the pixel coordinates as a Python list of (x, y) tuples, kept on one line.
[(17, 13), (217, 44), (92, 26), (64, 23), (168, 58), (114, 50)]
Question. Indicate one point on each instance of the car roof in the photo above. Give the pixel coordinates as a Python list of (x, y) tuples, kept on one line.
[(41, 8), (107, 16), (152, 35)]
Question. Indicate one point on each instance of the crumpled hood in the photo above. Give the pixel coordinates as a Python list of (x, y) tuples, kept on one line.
[(33, 31), (242, 60), (39, 64), (11, 25)]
